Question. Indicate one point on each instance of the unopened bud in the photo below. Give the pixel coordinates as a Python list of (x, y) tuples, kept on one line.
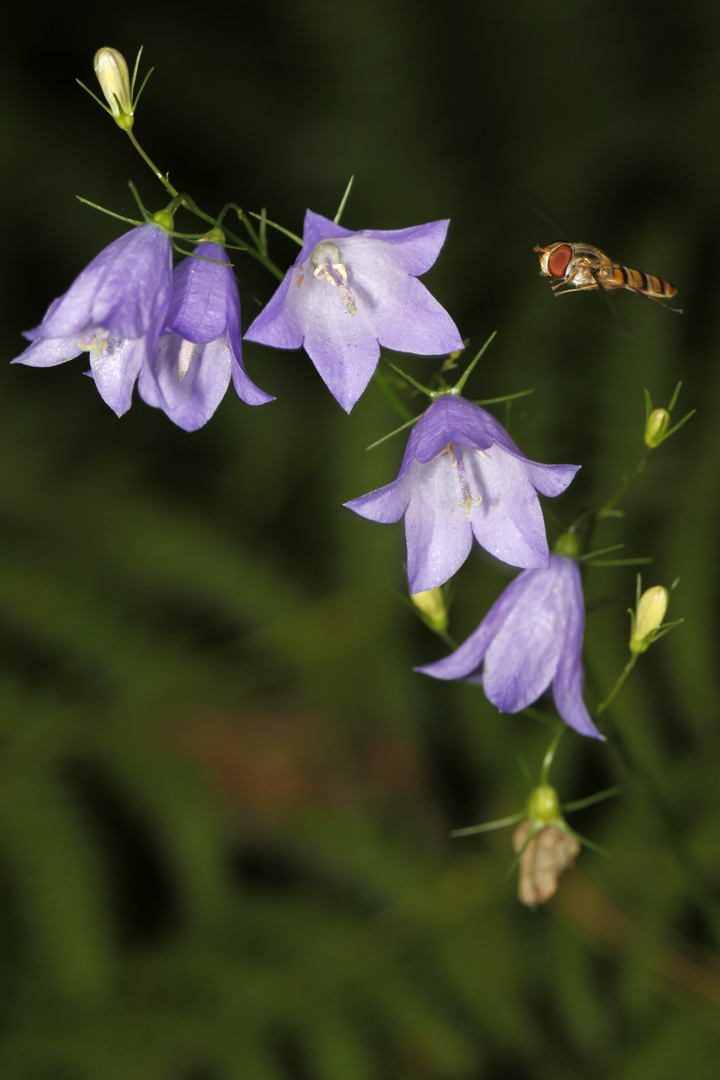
[(164, 219), (112, 74), (656, 426), (649, 615), (431, 603), (215, 236), (567, 544), (543, 805)]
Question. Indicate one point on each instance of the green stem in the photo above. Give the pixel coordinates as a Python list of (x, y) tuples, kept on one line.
[(447, 638), (550, 754), (190, 204), (489, 826), (459, 385), (620, 680), (627, 481), (148, 161), (393, 397)]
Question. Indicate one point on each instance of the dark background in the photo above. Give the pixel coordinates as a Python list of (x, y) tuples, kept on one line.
[(225, 798)]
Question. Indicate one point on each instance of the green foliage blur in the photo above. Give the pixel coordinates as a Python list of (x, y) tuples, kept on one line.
[(225, 797)]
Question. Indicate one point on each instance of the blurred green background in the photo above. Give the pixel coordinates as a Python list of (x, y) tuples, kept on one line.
[(225, 798)]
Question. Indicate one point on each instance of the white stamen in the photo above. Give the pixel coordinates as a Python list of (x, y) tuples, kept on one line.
[(184, 358), (347, 299), (96, 344), (456, 459), (329, 267)]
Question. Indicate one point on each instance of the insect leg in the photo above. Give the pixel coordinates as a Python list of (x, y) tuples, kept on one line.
[(576, 288)]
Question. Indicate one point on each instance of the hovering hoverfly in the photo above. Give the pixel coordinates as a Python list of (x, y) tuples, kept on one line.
[(586, 267)]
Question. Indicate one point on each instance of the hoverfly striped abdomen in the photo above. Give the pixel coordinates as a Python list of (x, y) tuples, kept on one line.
[(638, 281), (581, 266)]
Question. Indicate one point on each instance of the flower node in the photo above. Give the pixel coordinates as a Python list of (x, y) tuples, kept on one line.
[(543, 804), (431, 604)]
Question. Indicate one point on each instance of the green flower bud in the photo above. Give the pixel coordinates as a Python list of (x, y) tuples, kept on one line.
[(657, 425), (431, 603), (164, 219), (648, 618), (112, 74), (543, 805), (568, 545), (215, 236)]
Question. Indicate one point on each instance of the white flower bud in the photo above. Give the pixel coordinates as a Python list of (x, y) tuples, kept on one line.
[(112, 74), (649, 615), (657, 425)]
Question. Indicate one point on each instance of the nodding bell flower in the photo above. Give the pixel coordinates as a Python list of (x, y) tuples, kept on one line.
[(114, 311), (112, 74), (200, 349), (529, 642), (463, 476), (348, 293)]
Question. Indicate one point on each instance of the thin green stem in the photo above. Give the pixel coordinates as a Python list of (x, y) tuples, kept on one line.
[(190, 204), (343, 201), (280, 228), (620, 680), (260, 252), (447, 638), (489, 826), (393, 397), (148, 161), (590, 800), (626, 483), (409, 379), (550, 754), (459, 385), (390, 434)]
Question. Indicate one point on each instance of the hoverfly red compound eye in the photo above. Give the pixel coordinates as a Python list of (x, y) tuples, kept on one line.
[(558, 261)]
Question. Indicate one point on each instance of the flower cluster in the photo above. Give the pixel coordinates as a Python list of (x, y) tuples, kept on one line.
[(463, 476), (171, 328), (175, 332)]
